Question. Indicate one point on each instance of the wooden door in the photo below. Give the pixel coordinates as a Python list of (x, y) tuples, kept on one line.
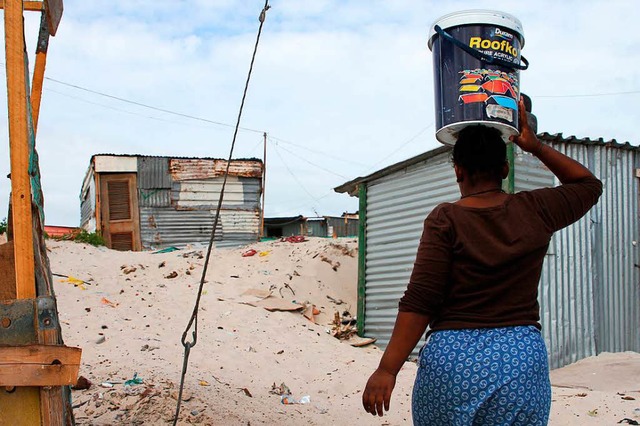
[(120, 219)]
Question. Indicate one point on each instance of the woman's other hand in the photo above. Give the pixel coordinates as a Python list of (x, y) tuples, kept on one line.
[(527, 140), (377, 393)]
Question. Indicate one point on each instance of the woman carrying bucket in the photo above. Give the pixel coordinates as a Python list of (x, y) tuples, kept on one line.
[(474, 283)]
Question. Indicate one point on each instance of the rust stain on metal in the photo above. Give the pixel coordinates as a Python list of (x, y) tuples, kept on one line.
[(189, 169)]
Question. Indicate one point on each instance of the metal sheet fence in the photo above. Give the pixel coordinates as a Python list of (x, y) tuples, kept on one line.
[(589, 288), (397, 205)]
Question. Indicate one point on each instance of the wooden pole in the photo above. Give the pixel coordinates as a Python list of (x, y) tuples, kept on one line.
[(22, 219), (264, 183), (38, 71)]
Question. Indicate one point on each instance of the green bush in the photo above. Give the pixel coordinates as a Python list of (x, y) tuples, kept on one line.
[(3, 225), (92, 238)]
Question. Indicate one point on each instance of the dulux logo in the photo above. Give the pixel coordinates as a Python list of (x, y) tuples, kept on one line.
[(503, 34)]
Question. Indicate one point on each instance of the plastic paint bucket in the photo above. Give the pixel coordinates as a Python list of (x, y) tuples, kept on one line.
[(476, 66)]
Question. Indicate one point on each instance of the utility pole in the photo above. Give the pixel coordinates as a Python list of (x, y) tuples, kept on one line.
[(264, 183)]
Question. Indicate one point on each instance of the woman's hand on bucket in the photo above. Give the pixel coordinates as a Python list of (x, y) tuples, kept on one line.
[(527, 140), (377, 393)]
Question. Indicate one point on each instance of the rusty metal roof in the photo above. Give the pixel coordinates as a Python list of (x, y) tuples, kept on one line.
[(173, 157), (199, 168)]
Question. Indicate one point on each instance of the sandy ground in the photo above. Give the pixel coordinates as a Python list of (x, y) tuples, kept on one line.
[(129, 316)]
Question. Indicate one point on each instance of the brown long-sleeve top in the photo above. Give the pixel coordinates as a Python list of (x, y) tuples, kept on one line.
[(480, 267)]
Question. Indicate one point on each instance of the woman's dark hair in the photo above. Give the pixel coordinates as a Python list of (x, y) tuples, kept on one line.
[(480, 150)]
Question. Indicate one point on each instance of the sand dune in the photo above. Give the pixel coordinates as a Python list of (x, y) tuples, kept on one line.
[(131, 311)]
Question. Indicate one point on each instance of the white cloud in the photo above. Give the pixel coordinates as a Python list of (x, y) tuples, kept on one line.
[(348, 83)]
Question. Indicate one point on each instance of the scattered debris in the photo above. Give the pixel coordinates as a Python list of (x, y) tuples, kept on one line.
[(336, 301), (259, 293), (171, 275), (310, 311), (148, 348), (128, 269), (166, 250), (82, 383), (344, 327), (286, 286), (134, 381), (249, 253), (334, 265), (186, 395), (629, 421), (361, 341), (246, 392), (344, 249), (108, 302), (101, 339), (73, 280), (162, 264), (293, 239), (195, 253), (280, 390), (593, 413)]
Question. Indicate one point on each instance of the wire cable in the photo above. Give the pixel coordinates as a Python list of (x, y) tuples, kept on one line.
[(140, 104), (295, 177), (193, 321), (311, 163), (589, 95)]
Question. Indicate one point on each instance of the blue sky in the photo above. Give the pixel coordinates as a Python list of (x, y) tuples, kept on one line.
[(343, 88)]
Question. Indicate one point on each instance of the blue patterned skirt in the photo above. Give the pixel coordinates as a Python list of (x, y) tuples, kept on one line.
[(487, 376)]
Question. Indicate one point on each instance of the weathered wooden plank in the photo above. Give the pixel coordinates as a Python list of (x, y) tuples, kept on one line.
[(19, 147), (39, 354), (39, 365), (33, 6), (53, 10), (38, 375), (38, 73), (8, 275)]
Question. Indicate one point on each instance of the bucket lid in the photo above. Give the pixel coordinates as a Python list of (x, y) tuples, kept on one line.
[(468, 17)]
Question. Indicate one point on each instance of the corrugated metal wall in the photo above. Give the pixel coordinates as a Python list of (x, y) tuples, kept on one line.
[(317, 228), (291, 229), (589, 288), (164, 227), (179, 212), (342, 228), (397, 205), (598, 259), (88, 203)]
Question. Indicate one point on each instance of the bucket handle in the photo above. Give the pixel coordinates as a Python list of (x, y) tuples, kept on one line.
[(479, 55)]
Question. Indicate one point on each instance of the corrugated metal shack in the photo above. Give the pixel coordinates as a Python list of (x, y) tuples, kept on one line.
[(147, 202), (322, 226), (589, 289)]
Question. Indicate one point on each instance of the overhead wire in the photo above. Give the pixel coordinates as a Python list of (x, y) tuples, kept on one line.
[(334, 157), (589, 95), (407, 142), (311, 163), (143, 105), (294, 176), (114, 108)]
